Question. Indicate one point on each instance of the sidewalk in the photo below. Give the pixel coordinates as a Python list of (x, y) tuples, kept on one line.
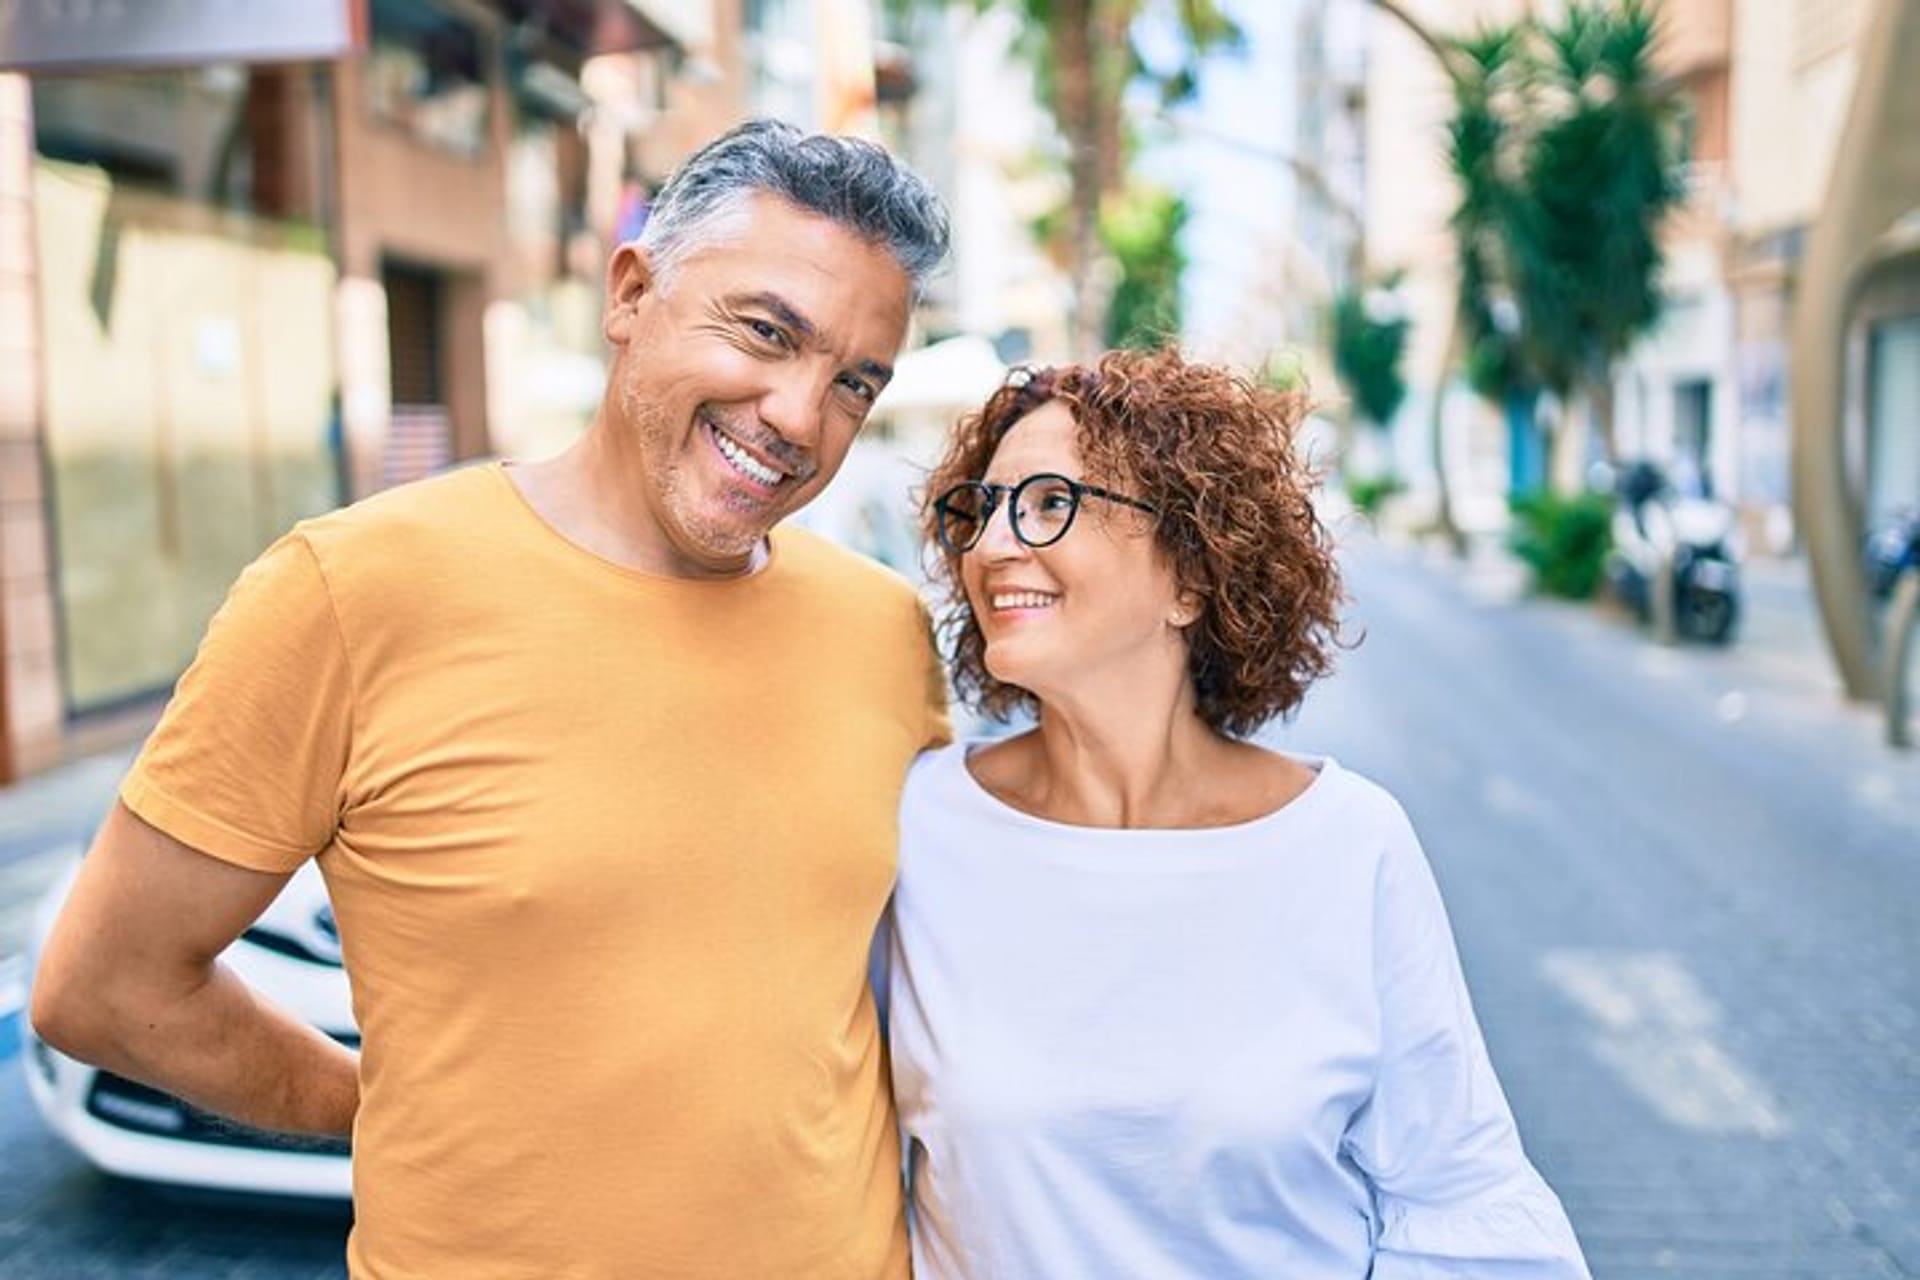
[(1778, 640), (1778, 669)]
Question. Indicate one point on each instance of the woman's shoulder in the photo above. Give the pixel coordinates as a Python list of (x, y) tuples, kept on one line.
[(934, 771), (1358, 795)]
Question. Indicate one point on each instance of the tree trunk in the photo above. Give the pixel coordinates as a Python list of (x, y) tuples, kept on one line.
[(1601, 399), (1079, 121), (1111, 24), (1443, 521)]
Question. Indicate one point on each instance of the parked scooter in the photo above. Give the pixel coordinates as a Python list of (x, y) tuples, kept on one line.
[(1892, 549), (1689, 543), (1893, 571)]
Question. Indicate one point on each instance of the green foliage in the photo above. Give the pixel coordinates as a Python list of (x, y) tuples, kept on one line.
[(1601, 176), (1369, 493), (1564, 539), (1141, 229), (1285, 371), (1489, 79), (1566, 149), (1367, 351), (1085, 59)]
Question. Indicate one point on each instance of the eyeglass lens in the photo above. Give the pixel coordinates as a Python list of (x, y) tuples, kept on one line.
[(1043, 507)]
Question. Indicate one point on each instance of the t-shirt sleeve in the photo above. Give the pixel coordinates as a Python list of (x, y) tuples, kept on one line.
[(247, 762), (1455, 1194)]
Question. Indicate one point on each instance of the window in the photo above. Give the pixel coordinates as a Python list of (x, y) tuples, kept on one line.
[(426, 71)]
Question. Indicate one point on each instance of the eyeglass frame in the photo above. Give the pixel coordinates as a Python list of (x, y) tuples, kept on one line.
[(996, 493)]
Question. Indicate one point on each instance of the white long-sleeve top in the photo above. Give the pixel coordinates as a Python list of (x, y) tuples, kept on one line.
[(1242, 1051)]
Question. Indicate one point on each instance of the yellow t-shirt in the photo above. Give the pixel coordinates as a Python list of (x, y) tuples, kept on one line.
[(606, 852)]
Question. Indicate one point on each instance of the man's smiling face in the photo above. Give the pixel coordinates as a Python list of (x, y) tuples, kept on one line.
[(742, 377)]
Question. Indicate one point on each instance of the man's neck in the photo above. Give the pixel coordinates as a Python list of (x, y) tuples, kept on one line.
[(585, 495)]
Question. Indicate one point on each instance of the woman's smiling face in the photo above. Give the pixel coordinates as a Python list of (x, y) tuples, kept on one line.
[(1099, 604)]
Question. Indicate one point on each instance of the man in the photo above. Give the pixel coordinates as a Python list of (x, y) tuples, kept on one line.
[(601, 768)]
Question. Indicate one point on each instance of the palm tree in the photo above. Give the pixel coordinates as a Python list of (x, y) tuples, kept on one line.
[(1482, 141), (1600, 174), (1086, 57), (1563, 145), (1452, 63), (1368, 344)]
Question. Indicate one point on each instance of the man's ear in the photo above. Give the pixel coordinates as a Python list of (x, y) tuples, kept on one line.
[(630, 277)]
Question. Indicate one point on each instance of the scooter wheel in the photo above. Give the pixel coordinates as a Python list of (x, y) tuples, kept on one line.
[(1707, 616)]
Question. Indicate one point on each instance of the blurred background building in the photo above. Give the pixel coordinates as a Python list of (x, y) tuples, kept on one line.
[(1273, 153), (256, 261), (1765, 87)]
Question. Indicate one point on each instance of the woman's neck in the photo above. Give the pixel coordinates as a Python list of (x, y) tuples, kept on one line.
[(1111, 753), (1121, 771)]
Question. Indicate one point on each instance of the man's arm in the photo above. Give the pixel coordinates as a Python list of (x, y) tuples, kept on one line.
[(130, 981)]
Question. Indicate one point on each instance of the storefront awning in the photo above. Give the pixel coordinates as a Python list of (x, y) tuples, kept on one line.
[(60, 37)]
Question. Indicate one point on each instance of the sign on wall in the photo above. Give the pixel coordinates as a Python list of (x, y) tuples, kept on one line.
[(47, 35)]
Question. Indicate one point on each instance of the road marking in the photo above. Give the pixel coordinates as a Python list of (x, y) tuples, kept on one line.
[(1510, 798), (1653, 1027), (1884, 792)]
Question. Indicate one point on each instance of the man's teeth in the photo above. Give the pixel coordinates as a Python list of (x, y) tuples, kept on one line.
[(1022, 600), (744, 462)]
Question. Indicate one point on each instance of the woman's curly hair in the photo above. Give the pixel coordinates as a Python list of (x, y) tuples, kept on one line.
[(1214, 454)]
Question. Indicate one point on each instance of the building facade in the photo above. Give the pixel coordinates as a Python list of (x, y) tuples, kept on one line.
[(1764, 86)]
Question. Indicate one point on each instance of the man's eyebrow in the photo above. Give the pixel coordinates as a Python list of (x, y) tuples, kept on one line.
[(789, 315), (785, 312)]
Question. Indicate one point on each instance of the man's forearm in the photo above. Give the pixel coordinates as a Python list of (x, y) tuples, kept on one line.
[(130, 980), (226, 1050)]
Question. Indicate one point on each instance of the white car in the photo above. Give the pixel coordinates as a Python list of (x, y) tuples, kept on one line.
[(291, 955)]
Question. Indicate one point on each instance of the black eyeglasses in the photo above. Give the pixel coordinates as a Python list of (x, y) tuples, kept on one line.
[(1042, 510)]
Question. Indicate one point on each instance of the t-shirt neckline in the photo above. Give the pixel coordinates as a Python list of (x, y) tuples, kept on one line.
[(1325, 769), (775, 541)]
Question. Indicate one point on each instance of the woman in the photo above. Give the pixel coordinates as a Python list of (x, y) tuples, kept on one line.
[(1164, 1002)]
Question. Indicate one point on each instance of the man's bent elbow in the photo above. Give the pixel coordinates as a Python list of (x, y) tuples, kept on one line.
[(86, 999), (64, 1017)]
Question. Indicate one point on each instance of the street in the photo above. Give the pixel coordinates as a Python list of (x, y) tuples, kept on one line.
[(1684, 885), (60, 1219)]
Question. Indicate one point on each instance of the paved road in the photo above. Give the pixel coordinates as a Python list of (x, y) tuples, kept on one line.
[(60, 1220), (1686, 887)]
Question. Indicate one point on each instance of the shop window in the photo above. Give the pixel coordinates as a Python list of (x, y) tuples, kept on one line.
[(1893, 418), (181, 132)]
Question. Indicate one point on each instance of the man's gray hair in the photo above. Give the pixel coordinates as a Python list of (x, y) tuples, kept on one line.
[(854, 183)]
